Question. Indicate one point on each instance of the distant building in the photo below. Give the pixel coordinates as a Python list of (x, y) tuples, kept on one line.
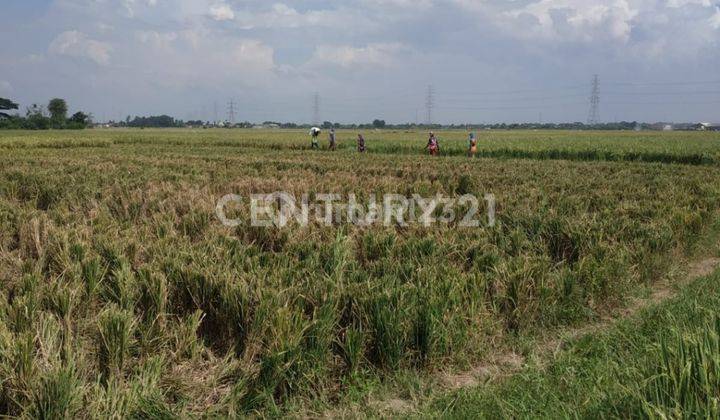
[(685, 127), (707, 127), (659, 126), (271, 126)]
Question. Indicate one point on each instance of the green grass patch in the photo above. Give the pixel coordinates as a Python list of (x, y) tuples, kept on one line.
[(662, 364)]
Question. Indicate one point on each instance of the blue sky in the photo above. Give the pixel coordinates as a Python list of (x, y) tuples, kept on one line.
[(487, 60)]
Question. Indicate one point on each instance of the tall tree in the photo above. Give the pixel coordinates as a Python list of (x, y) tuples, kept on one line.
[(79, 120), (58, 110), (6, 104), (36, 119)]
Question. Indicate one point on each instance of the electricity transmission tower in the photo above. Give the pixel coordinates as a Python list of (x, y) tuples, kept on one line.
[(231, 112), (316, 109), (594, 114), (430, 104), (215, 113)]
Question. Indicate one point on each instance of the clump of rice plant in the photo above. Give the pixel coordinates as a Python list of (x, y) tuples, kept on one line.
[(115, 327), (388, 338), (187, 343), (152, 407), (465, 185), (376, 245), (121, 286), (153, 298), (57, 396), (686, 381), (268, 240), (23, 358), (24, 305), (61, 300), (194, 224), (93, 274), (353, 348)]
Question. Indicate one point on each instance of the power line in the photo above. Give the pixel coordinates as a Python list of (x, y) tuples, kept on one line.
[(492, 108), (540, 99), (511, 92), (430, 104), (641, 84), (664, 103), (443, 99), (703, 92), (594, 114)]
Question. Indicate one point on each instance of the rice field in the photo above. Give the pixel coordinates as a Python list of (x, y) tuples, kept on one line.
[(122, 295), (693, 148)]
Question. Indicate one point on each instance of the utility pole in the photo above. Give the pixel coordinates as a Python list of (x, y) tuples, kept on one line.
[(316, 109), (594, 114), (430, 104), (231, 112)]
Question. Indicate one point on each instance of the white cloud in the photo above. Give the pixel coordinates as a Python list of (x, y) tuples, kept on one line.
[(159, 40), (655, 29), (192, 37), (224, 61), (380, 54), (572, 19), (5, 86), (715, 19), (77, 44), (221, 12), (104, 27), (282, 16), (190, 51), (253, 55), (129, 5), (416, 5), (683, 3)]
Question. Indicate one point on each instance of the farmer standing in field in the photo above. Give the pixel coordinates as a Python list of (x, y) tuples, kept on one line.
[(433, 146), (333, 143), (314, 132), (472, 145), (361, 144)]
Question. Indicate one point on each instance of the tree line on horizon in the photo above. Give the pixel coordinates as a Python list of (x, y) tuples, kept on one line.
[(165, 121), (54, 116), (38, 117)]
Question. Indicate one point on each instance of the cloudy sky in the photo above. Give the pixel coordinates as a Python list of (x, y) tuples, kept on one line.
[(487, 60)]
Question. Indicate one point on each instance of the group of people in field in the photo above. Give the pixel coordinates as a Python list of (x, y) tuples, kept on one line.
[(315, 133), (432, 147)]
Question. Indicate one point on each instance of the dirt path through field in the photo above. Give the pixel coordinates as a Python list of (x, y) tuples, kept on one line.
[(506, 364)]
